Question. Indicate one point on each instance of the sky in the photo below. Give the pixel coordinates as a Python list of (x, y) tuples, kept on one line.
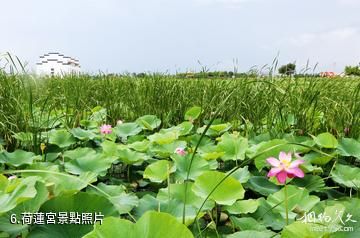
[(118, 36)]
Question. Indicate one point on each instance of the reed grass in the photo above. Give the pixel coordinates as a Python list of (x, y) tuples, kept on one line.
[(268, 104)]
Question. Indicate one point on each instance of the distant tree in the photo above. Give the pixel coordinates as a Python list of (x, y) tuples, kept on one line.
[(288, 69), (352, 70)]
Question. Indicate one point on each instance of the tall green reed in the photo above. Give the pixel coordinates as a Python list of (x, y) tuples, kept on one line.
[(309, 105)]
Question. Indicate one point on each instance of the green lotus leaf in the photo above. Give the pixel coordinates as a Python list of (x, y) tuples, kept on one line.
[(326, 140), (172, 201), (78, 203), (310, 182), (61, 138), (297, 198), (148, 203), (215, 130), (112, 227), (127, 129), (185, 128), (116, 194), (60, 183), (166, 150), (233, 146), (149, 122), (162, 137), (320, 223), (211, 155), (318, 159), (262, 185), (349, 147), (82, 134), (299, 229), (242, 174), (228, 189), (347, 209), (198, 166), (206, 144), (159, 171), (193, 113), (15, 191), (17, 158), (346, 175), (247, 223), (207, 148), (267, 216), (110, 148), (89, 124), (80, 152), (150, 225), (96, 163), (128, 156), (243, 206), (140, 146), (252, 234), (29, 206)]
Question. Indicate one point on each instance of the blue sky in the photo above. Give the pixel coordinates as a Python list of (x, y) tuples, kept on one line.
[(173, 35)]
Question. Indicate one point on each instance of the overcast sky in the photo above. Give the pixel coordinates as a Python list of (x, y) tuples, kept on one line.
[(170, 35)]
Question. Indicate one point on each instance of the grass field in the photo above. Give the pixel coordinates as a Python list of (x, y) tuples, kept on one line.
[(261, 104)]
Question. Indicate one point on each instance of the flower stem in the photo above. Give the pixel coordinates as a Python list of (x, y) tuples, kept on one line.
[(168, 184), (286, 205)]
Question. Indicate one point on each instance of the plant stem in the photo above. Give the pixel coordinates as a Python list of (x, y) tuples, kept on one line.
[(286, 205), (128, 173), (196, 148), (168, 184)]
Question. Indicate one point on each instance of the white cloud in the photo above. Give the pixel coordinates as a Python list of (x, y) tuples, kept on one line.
[(348, 2), (335, 35), (332, 49), (224, 2)]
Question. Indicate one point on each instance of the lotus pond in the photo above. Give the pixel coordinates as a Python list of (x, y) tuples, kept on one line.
[(198, 178)]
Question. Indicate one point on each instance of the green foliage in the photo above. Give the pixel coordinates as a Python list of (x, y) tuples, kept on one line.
[(287, 69), (17, 158), (298, 198), (61, 138), (347, 176), (234, 146), (193, 113), (149, 122), (116, 194), (326, 140), (217, 186), (255, 106), (127, 129), (81, 203), (150, 225), (158, 171), (352, 70), (226, 193), (243, 206), (16, 192)]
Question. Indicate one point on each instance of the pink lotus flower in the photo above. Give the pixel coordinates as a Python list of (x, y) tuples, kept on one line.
[(284, 168), (105, 129), (12, 177), (180, 151), (347, 130)]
